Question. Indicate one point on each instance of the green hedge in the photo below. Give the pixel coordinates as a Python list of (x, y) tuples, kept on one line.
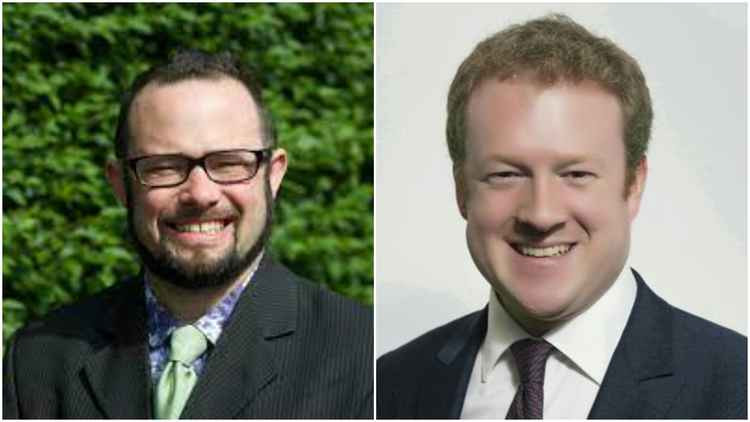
[(64, 68)]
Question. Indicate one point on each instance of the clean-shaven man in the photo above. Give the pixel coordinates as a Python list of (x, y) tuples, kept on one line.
[(212, 327), (548, 127)]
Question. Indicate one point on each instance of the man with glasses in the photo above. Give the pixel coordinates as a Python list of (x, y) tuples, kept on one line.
[(213, 327)]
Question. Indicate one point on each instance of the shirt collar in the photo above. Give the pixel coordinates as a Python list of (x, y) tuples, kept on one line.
[(502, 332), (161, 322), (588, 340)]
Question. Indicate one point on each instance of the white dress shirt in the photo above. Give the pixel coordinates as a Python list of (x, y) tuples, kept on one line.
[(575, 369)]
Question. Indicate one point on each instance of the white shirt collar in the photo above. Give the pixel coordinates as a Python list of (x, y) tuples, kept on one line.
[(588, 340)]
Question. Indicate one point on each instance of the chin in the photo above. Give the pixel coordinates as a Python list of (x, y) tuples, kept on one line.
[(200, 257), (541, 308), (547, 312), (198, 265), (540, 305)]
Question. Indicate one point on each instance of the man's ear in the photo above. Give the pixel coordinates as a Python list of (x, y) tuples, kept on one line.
[(277, 165), (116, 181), (460, 184), (636, 188)]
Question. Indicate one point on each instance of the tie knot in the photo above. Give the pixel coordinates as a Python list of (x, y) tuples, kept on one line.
[(531, 357), (187, 344)]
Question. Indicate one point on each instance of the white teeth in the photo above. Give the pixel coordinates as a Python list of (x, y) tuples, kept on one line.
[(208, 227), (545, 252)]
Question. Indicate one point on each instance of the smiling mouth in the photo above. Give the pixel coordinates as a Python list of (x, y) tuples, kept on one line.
[(213, 226), (543, 252)]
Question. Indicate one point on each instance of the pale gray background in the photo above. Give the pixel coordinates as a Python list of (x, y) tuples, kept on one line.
[(689, 240)]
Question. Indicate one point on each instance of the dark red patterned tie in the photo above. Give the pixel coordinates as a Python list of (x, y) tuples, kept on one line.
[(531, 358)]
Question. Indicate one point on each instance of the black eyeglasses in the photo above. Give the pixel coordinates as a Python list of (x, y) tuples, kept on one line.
[(224, 167)]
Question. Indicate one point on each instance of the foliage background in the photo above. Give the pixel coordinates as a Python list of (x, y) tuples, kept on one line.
[(64, 69)]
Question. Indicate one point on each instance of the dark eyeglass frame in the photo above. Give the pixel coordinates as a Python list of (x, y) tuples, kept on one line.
[(261, 156)]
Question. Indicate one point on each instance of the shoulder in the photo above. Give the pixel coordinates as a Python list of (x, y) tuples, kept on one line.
[(710, 360), (699, 340), (697, 344), (79, 320), (428, 366), (332, 344), (693, 338), (317, 301), (48, 353), (326, 315), (689, 326), (423, 350)]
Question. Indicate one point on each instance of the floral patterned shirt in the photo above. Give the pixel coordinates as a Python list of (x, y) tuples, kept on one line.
[(161, 324)]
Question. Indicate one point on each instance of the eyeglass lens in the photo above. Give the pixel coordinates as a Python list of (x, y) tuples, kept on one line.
[(223, 167)]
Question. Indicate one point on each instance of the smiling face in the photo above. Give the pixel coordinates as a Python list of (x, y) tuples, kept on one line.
[(541, 189), (200, 233)]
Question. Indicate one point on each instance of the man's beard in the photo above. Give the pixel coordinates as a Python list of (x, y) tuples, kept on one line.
[(168, 267)]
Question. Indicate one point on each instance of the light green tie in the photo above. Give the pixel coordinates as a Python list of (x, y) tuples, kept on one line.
[(179, 378)]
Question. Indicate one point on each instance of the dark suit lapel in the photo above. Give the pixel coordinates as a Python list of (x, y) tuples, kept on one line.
[(640, 381), (442, 396), (242, 363), (117, 371)]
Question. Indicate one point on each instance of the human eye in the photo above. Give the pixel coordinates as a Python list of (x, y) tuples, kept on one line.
[(231, 164), (503, 177), (161, 170), (161, 166), (231, 160), (579, 176)]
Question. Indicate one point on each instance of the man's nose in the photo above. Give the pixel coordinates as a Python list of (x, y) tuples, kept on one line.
[(199, 190), (542, 209)]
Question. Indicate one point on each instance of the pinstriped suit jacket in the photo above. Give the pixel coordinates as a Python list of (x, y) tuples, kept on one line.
[(291, 350)]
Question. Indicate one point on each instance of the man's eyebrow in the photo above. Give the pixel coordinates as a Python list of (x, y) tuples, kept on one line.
[(565, 161), (590, 159), (497, 159), (504, 159), (575, 160)]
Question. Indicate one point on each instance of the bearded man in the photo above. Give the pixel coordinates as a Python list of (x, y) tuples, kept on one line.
[(212, 327)]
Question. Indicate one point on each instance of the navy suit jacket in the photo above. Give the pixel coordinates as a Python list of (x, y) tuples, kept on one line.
[(667, 364), (290, 350)]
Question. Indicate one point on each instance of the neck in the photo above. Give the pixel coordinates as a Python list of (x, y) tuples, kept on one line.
[(188, 305), (534, 327)]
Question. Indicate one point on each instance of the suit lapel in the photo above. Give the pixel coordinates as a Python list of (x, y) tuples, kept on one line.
[(640, 381), (117, 371), (242, 363), (443, 395)]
